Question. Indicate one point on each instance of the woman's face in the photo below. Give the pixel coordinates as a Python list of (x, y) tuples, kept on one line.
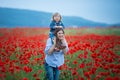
[(57, 18), (60, 34)]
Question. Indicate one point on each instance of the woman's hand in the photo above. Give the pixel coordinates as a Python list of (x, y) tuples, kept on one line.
[(63, 46), (63, 40), (54, 40), (57, 49), (53, 46)]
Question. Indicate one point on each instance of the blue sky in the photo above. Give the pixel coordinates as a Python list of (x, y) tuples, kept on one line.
[(106, 11)]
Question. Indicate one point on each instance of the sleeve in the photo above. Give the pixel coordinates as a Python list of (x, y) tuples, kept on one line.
[(52, 25), (48, 45)]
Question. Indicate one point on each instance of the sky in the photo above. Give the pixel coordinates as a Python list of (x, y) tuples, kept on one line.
[(106, 11)]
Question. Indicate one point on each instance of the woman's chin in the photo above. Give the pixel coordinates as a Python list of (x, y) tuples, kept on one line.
[(60, 38)]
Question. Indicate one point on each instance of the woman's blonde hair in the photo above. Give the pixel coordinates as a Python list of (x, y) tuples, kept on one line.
[(56, 14)]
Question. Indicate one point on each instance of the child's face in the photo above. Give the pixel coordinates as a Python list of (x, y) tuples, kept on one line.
[(56, 18)]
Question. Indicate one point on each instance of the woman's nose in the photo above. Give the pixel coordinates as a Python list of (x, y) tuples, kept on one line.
[(61, 34)]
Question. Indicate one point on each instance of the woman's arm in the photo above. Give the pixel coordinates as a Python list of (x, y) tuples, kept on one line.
[(64, 43), (51, 49), (64, 51), (53, 46)]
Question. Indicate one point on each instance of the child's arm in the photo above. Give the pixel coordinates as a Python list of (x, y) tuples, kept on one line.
[(61, 26), (52, 25)]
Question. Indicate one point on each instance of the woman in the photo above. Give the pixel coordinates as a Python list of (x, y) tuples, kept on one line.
[(55, 54)]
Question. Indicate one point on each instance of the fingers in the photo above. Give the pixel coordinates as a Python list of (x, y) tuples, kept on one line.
[(58, 26), (54, 40), (63, 36)]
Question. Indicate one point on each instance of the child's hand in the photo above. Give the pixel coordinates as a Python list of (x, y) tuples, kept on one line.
[(58, 26)]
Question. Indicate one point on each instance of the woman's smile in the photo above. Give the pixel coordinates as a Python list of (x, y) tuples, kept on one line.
[(60, 34)]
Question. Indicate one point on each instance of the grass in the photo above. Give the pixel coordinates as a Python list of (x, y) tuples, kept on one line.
[(101, 31)]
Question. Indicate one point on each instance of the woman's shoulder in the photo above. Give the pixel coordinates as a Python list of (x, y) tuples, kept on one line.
[(49, 39)]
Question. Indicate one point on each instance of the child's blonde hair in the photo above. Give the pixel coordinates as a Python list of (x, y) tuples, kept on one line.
[(56, 14)]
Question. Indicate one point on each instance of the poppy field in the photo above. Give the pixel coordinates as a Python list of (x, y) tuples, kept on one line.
[(94, 54)]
